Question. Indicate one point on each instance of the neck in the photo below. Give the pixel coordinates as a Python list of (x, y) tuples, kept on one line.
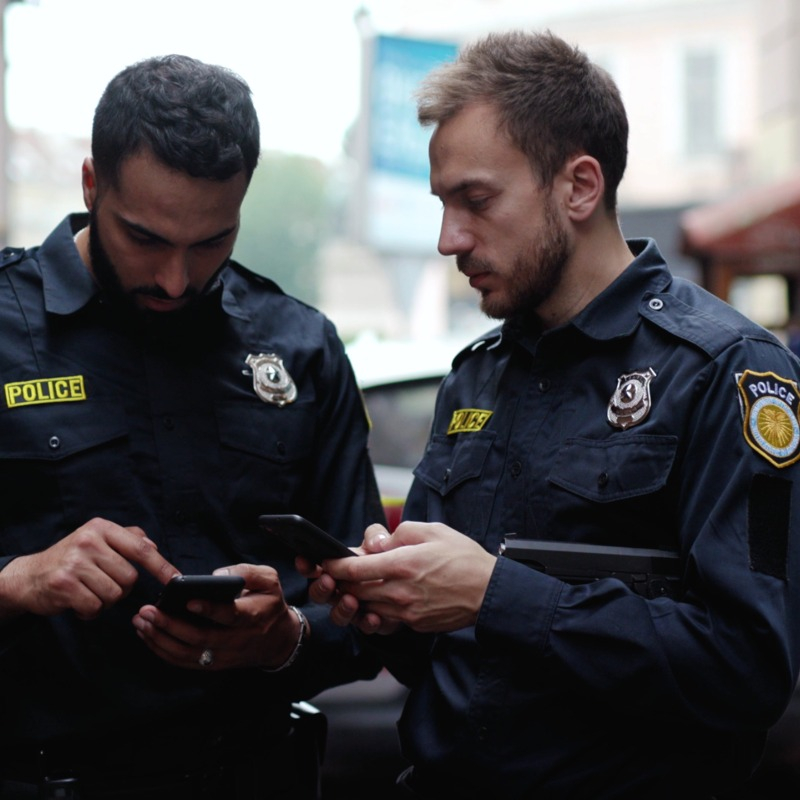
[(600, 256), (81, 239)]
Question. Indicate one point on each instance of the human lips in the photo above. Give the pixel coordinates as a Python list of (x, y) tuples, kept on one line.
[(477, 279), (161, 304), (477, 271)]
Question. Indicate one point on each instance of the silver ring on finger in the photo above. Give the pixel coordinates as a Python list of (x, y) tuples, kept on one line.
[(206, 658)]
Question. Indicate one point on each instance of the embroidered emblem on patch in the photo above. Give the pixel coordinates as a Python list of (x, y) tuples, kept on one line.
[(770, 405), (45, 390), (271, 379), (630, 403), (468, 420)]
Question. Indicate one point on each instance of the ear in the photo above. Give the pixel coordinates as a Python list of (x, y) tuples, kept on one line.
[(587, 186), (89, 184)]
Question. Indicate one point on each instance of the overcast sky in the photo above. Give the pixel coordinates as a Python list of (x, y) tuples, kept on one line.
[(300, 57), (302, 62)]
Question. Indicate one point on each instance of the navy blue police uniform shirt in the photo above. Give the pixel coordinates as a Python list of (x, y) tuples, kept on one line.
[(657, 417), (162, 425)]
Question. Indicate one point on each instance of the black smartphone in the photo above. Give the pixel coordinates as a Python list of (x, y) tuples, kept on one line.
[(303, 537), (183, 588)]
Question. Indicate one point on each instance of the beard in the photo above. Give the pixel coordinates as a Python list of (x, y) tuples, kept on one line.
[(107, 276), (103, 269), (535, 273)]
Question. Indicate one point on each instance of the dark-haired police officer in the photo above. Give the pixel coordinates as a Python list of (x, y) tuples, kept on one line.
[(159, 397), (616, 406)]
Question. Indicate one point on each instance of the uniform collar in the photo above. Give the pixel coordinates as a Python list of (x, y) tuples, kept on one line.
[(69, 286), (614, 313)]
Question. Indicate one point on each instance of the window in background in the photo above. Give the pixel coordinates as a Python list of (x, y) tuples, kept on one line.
[(702, 97)]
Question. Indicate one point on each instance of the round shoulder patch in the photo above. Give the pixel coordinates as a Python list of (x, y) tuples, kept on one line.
[(770, 404)]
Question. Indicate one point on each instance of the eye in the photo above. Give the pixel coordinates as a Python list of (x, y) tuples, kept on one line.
[(478, 203), (211, 244), (143, 240), (222, 240)]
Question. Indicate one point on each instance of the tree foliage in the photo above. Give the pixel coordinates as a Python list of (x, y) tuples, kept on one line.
[(285, 218)]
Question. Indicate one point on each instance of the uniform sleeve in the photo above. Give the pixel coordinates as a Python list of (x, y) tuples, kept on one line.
[(342, 494), (343, 499), (725, 654)]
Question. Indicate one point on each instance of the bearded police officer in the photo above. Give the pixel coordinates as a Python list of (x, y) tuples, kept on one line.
[(618, 414), (159, 397)]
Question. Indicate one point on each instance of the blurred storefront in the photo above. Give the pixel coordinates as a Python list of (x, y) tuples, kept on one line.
[(752, 234)]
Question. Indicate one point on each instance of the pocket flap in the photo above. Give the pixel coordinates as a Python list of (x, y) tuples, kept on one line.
[(615, 469), (283, 434), (451, 460), (53, 432)]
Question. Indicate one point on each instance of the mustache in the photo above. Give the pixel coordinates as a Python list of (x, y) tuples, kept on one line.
[(468, 263), (158, 293)]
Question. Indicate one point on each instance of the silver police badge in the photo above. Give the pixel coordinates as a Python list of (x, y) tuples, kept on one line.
[(271, 380), (630, 403)]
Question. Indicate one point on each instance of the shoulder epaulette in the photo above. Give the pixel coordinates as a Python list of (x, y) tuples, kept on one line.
[(490, 339), (711, 329), (251, 275), (11, 255)]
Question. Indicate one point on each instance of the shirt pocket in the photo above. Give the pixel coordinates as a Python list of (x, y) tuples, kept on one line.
[(607, 482), (266, 455), (71, 461), (455, 470)]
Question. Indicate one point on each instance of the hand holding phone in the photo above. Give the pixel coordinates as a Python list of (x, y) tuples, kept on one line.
[(182, 588), (304, 538)]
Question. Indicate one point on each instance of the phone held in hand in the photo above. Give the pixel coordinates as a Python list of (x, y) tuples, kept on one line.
[(183, 588), (304, 538)]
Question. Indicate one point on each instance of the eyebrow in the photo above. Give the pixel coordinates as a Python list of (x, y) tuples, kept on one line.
[(141, 229), (462, 186)]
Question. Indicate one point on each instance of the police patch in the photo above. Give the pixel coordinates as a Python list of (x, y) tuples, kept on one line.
[(45, 390), (770, 408), (468, 420)]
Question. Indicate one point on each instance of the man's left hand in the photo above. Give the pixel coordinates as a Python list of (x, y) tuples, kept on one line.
[(257, 630)]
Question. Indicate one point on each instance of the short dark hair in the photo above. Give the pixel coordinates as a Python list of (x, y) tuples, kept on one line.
[(552, 101), (194, 117)]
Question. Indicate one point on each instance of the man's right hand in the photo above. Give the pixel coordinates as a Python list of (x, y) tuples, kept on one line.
[(345, 608), (89, 570)]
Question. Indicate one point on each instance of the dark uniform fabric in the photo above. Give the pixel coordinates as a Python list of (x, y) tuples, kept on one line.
[(592, 691), (157, 424)]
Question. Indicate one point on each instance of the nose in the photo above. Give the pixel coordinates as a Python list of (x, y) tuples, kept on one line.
[(454, 238), (173, 274)]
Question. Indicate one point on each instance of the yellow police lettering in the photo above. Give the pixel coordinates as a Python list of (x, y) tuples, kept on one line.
[(13, 391), (468, 420), (45, 390)]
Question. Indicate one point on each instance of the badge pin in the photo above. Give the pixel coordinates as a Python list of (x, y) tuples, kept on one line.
[(630, 403), (271, 380)]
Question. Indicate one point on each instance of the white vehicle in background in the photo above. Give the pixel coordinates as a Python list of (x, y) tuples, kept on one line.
[(399, 380)]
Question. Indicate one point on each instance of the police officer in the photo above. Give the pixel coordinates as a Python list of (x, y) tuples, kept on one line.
[(617, 406), (159, 397)]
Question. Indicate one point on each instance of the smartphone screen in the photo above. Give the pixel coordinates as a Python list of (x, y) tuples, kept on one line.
[(304, 538), (183, 588)]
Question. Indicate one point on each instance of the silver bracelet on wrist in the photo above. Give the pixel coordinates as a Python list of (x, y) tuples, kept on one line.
[(301, 618)]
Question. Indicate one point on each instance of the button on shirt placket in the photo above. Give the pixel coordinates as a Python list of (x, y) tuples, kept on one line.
[(171, 412), (516, 501)]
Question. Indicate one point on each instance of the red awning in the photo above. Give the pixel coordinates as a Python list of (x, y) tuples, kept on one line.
[(762, 221)]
